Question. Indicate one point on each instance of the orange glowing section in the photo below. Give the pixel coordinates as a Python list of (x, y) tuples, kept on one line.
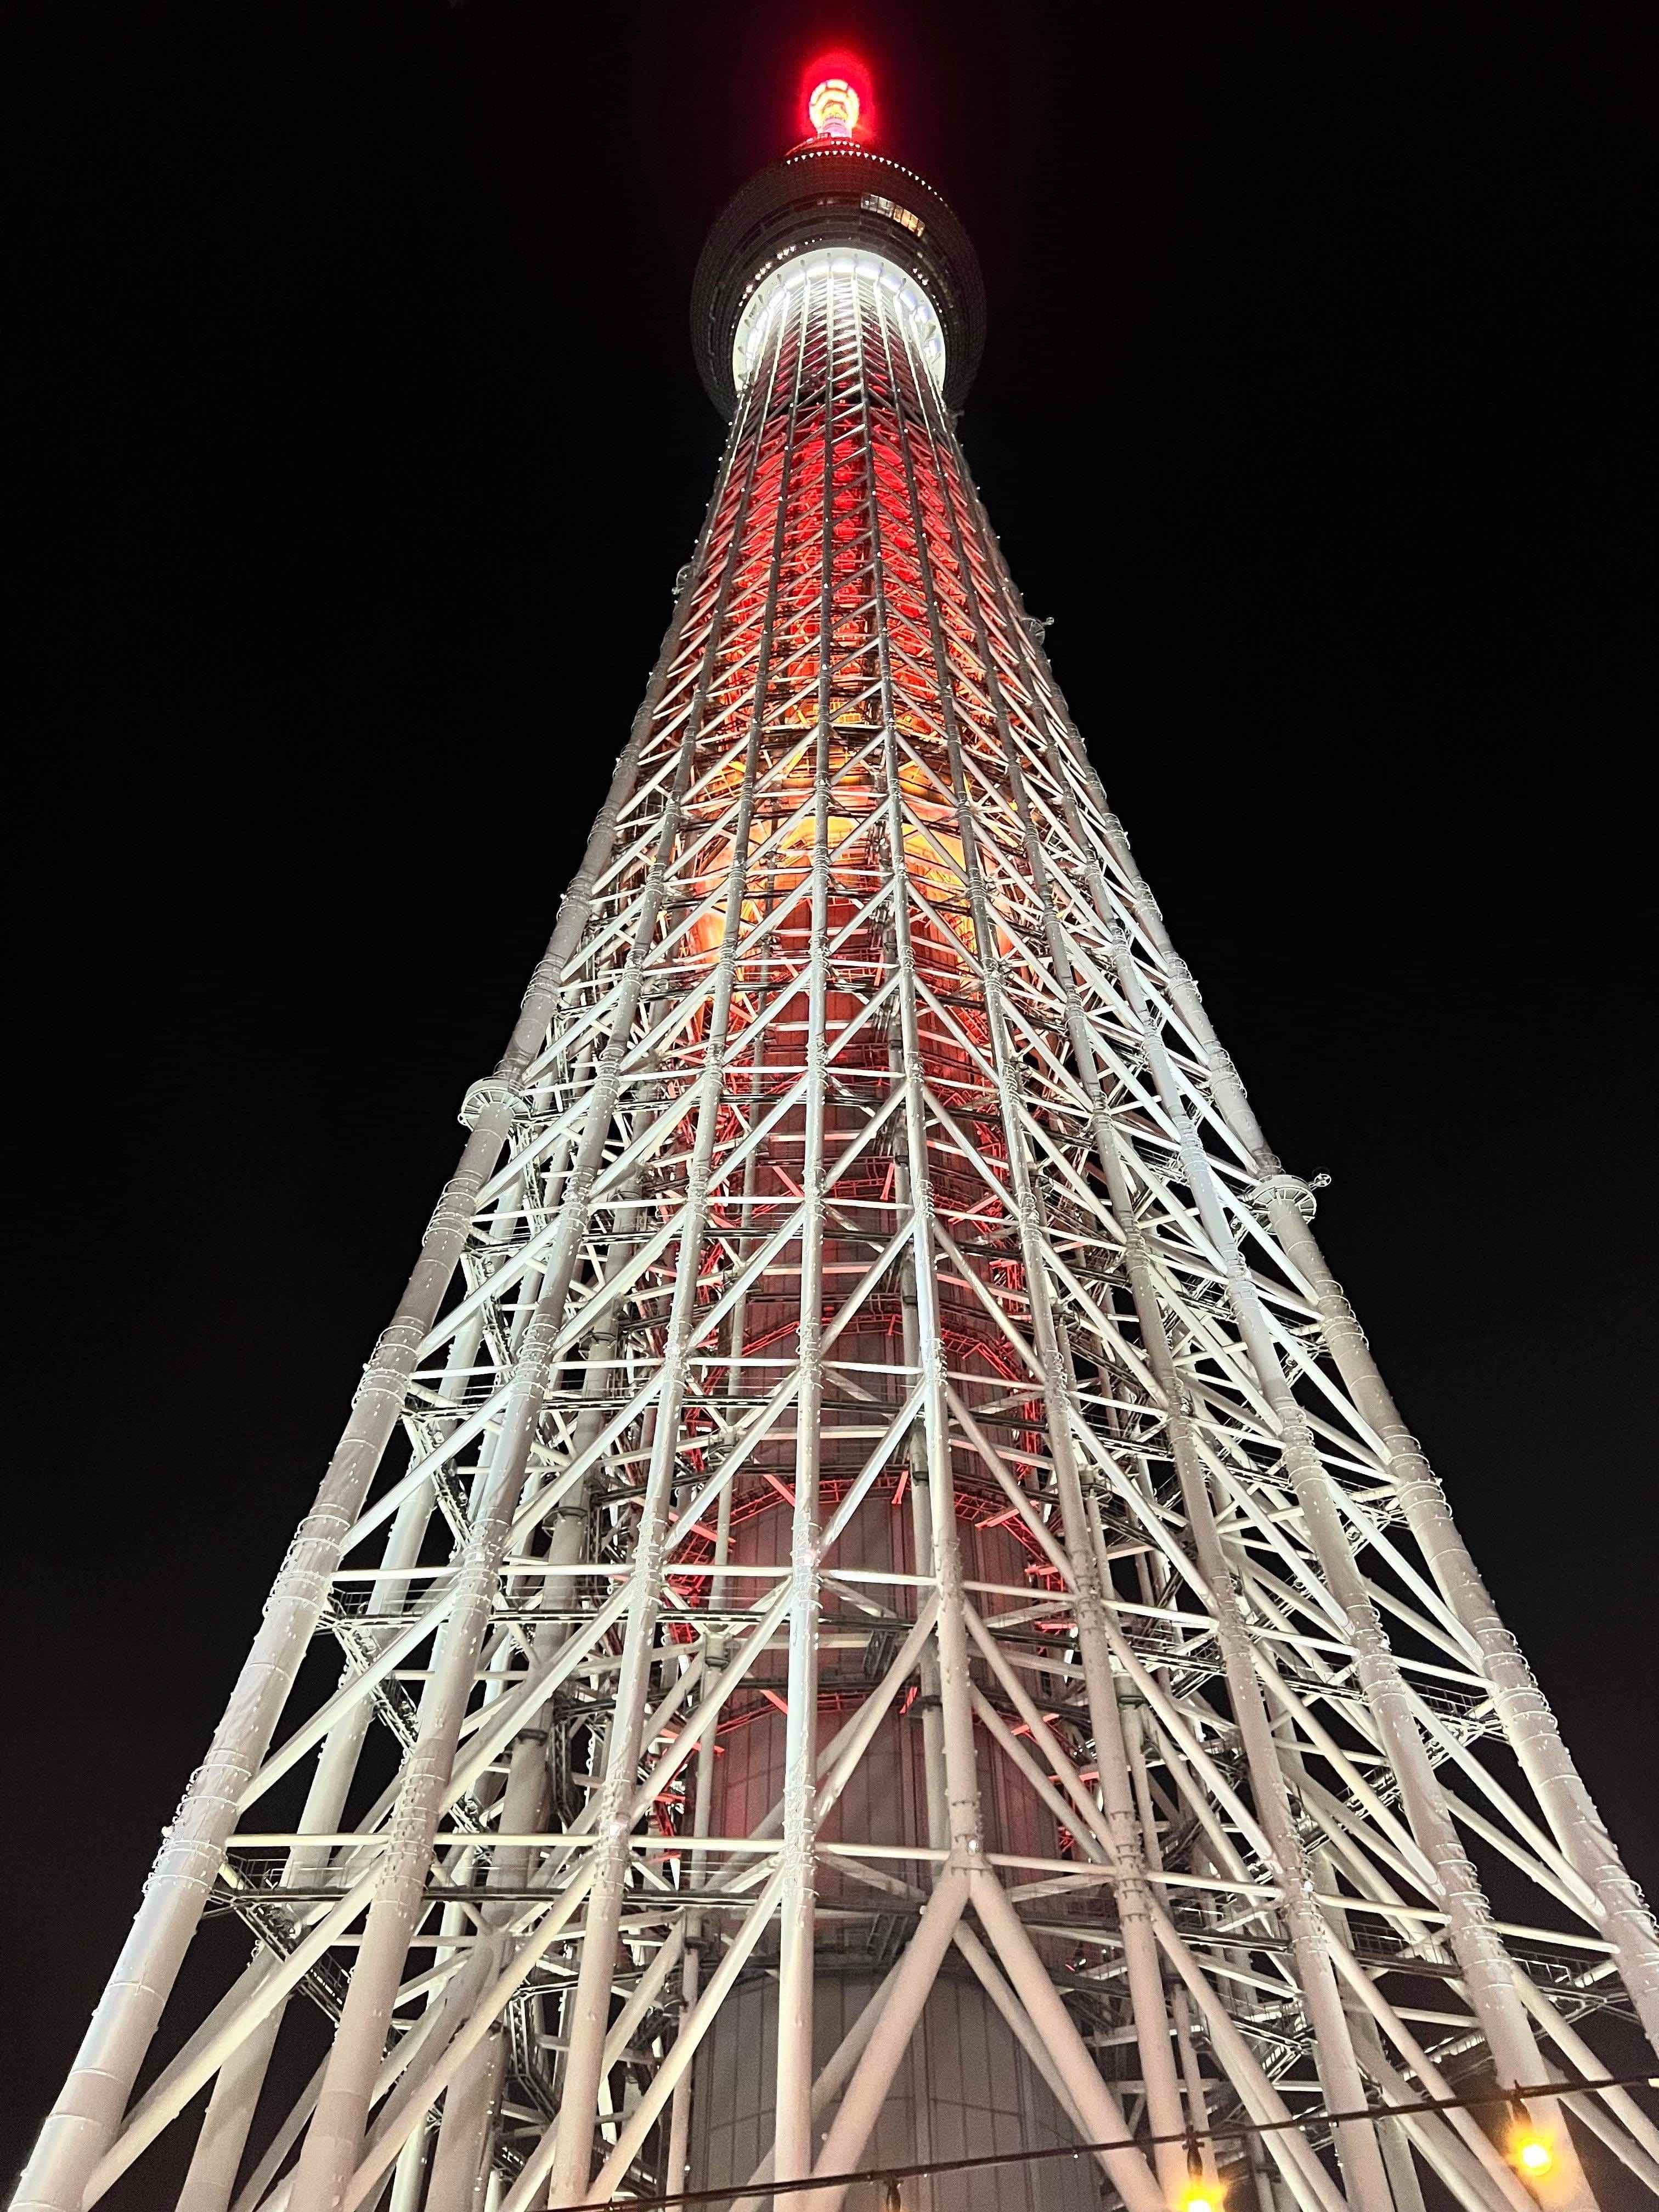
[(832, 108), (835, 96)]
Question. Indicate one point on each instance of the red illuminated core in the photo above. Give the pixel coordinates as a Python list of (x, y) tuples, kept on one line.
[(833, 106), (835, 98)]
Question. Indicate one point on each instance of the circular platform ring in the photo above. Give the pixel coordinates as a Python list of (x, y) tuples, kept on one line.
[(828, 194)]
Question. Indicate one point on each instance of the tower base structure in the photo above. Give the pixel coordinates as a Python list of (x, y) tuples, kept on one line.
[(964, 2090)]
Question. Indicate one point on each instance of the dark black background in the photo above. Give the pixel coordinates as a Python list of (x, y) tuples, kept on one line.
[(357, 443)]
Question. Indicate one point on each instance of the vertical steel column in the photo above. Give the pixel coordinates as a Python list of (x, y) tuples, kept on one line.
[(680, 2111), (797, 1927), (871, 2079), (933, 1726)]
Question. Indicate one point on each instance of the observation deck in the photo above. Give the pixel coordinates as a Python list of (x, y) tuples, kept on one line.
[(831, 193)]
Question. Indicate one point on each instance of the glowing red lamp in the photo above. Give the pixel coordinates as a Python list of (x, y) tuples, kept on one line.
[(835, 94)]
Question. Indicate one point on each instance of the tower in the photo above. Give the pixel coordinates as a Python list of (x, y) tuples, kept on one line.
[(872, 1606)]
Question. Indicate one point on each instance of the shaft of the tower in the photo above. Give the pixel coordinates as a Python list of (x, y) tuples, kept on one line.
[(889, 1619), (837, 317)]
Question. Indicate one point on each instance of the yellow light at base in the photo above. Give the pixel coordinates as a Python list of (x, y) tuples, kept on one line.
[(1529, 2147), (1198, 2195)]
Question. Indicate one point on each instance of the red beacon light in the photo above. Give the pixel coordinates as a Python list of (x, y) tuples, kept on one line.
[(833, 106), (835, 98)]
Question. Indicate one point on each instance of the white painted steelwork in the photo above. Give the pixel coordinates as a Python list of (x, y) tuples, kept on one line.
[(775, 294), (900, 1561)]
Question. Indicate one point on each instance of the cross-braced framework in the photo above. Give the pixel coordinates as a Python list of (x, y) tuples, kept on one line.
[(895, 1509)]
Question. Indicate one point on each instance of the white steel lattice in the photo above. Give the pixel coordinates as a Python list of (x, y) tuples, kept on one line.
[(894, 1498)]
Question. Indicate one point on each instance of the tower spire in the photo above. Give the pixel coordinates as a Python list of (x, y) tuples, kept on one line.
[(871, 1607), (838, 96)]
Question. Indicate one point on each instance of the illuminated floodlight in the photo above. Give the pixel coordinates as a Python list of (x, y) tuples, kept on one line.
[(1198, 2192), (1529, 2146)]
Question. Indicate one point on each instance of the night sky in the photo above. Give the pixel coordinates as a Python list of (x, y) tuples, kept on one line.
[(359, 443)]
